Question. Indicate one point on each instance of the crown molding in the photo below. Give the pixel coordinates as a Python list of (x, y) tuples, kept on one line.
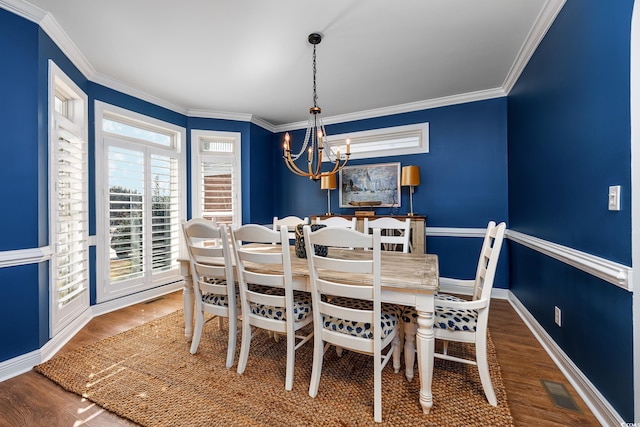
[(131, 91), (24, 9), (50, 26), (224, 115), (543, 22), (48, 23), (402, 108)]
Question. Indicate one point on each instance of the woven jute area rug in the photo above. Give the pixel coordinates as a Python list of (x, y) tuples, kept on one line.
[(148, 376)]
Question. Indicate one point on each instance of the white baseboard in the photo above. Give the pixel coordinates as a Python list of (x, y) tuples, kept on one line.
[(25, 362), (118, 303), (596, 402), (19, 365), (52, 346)]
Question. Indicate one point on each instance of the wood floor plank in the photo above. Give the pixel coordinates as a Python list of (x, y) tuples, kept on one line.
[(32, 400)]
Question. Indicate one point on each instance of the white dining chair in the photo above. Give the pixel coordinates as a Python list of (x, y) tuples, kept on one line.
[(338, 221), (347, 314), (214, 285), (290, 222), (268, 300), (460, 320), (396, 232)]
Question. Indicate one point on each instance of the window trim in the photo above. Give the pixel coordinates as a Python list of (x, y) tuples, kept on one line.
[(110, 111), (76, 107), (197, 157)]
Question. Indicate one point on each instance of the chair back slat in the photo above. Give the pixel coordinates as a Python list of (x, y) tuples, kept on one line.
[(328, 287), (347, 266), (249, 256), (273, 280), (338, 221), (488, 262), (364, 316), (397, 232), (291, 222)]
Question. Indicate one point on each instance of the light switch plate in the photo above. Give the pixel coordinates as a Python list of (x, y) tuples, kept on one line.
[(614, 198)]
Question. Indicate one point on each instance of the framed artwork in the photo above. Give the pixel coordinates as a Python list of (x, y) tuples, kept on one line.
[(370, 185)]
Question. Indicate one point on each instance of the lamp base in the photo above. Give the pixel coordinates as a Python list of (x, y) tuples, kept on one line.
[(411, 214), (328, 214)]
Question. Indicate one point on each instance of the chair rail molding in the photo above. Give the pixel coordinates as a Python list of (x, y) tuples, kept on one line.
[(607, 270), (455, 232), (24, 256)]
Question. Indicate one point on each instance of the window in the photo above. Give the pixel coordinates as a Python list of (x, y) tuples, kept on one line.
[(216, 176), (68, 195), (393, 141), (140, 210)]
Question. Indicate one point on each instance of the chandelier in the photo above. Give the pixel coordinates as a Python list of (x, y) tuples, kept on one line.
[(315, 140)]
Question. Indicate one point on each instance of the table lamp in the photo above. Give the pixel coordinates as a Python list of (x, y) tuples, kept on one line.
[(411, 178), (328, 182)]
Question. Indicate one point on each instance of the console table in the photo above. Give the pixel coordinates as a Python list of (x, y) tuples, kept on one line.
[(418, 224)]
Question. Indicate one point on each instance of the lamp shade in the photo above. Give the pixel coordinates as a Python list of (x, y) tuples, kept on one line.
[(410, 175), (328, 182)]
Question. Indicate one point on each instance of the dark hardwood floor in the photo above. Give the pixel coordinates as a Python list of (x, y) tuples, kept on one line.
[(31, 400)]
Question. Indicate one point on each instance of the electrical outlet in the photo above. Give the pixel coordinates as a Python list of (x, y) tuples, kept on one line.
[(558, 316)]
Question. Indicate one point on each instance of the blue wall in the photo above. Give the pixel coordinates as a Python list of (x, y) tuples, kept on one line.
[(463, 178), (554, 146), (20, 133), (569, 139)]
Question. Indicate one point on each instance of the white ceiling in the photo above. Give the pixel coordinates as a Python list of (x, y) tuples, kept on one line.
[(220, 58)]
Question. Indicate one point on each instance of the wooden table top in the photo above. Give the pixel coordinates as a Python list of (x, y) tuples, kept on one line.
[(398, 270)]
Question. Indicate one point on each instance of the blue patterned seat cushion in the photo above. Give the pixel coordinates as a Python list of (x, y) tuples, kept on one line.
[(223, 300), (217, 299), (301, 306), (390, 313), (446, 318)]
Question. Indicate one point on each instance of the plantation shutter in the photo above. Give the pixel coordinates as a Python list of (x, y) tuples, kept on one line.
[(126, 212), (165, 216), (71, 233), (217, 191)]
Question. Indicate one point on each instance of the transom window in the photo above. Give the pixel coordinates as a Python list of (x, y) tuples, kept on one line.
[(392, 141)]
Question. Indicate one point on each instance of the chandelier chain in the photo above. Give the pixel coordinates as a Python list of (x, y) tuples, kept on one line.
[(315, 93)]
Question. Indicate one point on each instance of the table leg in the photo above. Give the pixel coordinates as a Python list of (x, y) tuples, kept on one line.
[(188, 299), (409, 349), (425, 341)]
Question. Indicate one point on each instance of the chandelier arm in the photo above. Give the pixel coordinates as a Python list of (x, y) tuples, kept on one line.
[(295, 169), (292, 165)]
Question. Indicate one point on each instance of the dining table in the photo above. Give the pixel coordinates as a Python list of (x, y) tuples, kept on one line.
[(408, 279)]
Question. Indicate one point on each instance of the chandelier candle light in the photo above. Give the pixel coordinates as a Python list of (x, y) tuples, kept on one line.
[(315, 139)]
